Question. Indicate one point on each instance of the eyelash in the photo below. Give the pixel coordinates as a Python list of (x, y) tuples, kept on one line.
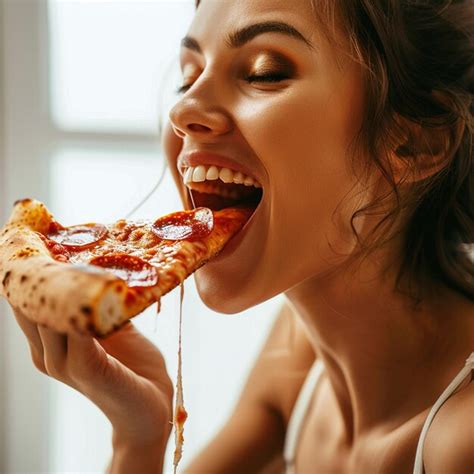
[(268, 78)]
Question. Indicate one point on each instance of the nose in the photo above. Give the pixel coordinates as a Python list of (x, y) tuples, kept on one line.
[(197, 116)]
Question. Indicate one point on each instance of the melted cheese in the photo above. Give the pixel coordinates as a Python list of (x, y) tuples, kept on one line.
[(180, 414)]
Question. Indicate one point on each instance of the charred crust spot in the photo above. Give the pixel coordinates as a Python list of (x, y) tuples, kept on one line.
[(22, 201), (119, 289), (42, 300), (23, 253), (8, 294), (25, 305), (42, 279), (23, 278), (6, 278), (52, 305), (86, 309), (33, 288), (73, 321)]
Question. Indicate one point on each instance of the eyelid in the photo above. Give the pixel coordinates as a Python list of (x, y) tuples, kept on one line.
[(268, 78), (182, 89), (267, 71), (272, 60), (267, 67), (187, 83), (188, 67)]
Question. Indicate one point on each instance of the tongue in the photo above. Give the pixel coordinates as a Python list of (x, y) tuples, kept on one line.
[(212, 201), (217, 202)]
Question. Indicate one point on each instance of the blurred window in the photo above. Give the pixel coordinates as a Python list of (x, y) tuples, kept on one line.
[(108, 59)]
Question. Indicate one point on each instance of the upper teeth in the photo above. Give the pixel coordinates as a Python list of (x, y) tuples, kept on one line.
[(202, 173)]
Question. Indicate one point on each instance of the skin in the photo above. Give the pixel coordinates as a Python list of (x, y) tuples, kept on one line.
[(385, 362)]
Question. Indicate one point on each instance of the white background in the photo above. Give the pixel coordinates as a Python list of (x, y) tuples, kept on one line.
[(81, 85)]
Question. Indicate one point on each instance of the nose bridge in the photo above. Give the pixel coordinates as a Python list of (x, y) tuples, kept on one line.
[(201, 111)]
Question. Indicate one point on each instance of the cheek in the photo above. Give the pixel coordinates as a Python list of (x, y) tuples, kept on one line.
[(309, 125), (302, 136)]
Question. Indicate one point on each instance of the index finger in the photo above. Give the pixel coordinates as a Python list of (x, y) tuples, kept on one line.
[(30, 329)]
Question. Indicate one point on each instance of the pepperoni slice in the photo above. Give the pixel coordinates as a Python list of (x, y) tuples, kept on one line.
[(185, 225), (78, 237), (135, 271)]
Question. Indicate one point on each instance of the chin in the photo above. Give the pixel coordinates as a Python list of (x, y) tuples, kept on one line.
[(222, 294)]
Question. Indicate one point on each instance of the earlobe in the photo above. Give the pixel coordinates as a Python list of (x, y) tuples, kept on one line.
[(424, 151)]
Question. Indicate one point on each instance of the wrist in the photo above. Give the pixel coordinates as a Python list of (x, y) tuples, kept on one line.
[(124, 440), (142, 425), (137, 455)]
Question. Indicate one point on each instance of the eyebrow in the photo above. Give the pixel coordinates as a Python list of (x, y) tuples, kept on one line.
[(240, 37)]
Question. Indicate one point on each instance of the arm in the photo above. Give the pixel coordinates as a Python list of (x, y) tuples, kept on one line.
[(253, 437)]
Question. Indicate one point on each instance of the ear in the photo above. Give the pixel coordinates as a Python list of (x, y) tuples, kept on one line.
[(424, 151)]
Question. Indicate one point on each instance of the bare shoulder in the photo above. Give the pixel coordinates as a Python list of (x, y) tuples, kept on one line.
[(450, 439)]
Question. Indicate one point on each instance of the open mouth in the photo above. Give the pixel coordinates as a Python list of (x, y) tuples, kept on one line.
[(217, 188)]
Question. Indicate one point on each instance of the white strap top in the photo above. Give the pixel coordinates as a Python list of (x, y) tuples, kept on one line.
[(451, 388), (297, 418), (304, 398)]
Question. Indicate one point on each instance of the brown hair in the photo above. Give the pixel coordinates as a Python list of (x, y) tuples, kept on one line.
[(418, 61)]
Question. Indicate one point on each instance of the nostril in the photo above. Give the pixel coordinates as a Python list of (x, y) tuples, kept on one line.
[(196, 127)]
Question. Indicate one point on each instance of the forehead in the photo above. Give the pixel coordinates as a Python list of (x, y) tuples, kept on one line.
[(215, 17)]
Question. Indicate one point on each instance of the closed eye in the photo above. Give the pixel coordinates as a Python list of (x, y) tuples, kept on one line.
[(182, 89), (267, 78), (277, 77)]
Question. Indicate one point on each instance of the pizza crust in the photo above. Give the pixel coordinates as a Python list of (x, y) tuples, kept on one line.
[(46, 291)]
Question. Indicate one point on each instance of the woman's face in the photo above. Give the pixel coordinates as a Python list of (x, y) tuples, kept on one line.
[(288, 129)]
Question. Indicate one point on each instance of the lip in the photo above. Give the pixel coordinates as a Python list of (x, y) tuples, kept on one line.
[(197, 158)]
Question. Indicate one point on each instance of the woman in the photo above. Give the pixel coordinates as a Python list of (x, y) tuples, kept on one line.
[(356, 119)]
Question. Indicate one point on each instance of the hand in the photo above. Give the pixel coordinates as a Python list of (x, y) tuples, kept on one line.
[(124, 374)]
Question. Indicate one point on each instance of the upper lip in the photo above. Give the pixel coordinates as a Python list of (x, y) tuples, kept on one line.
[(197, 157)]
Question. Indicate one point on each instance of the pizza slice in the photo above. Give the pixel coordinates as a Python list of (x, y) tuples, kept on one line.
[(92, 278)]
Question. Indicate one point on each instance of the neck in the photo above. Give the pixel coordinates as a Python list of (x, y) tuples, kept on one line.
[(383, 356)]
